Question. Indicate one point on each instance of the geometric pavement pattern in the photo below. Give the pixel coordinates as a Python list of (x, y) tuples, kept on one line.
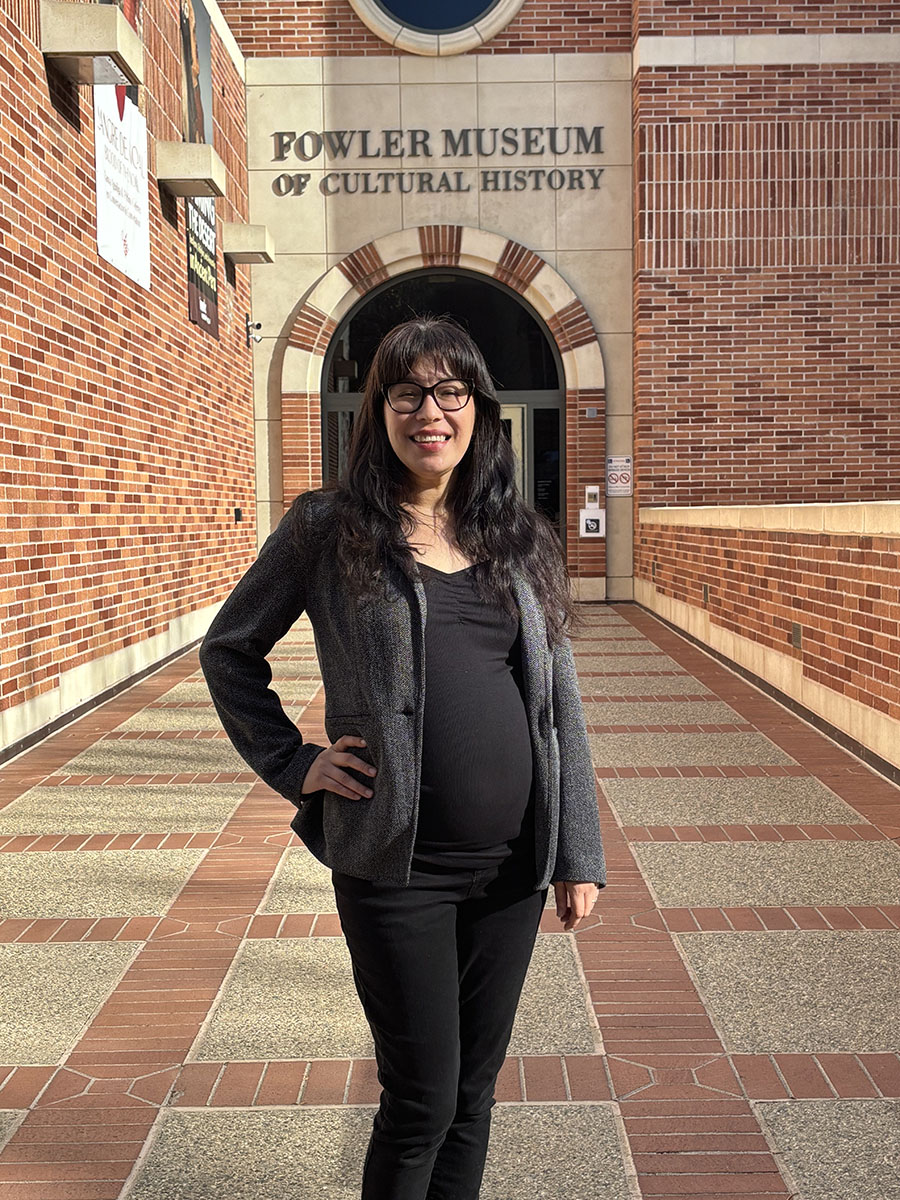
[(177, 1017)]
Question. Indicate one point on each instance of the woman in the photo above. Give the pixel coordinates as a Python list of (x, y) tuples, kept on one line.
[(458, 782)]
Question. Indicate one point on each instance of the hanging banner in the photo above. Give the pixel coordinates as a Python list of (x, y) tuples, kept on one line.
[(123, 197), (196, 73), (203, 287)]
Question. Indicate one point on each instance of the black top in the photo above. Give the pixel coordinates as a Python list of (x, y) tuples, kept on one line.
[(476, 785)]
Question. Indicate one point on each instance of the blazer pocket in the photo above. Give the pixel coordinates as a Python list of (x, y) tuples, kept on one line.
[(355, 726)]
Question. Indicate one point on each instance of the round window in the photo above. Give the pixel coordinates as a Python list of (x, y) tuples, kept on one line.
[(439, 27)]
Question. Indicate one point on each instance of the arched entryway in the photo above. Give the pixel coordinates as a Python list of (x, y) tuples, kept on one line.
[(432, 249), (519, 351)]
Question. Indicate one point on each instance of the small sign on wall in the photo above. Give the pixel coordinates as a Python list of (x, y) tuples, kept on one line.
[(592, 522), (619, 475)]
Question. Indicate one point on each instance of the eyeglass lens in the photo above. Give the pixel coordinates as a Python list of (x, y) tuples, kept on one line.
[(448, 393)]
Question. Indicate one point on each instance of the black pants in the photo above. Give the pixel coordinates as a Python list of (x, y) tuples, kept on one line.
[(439, 967)]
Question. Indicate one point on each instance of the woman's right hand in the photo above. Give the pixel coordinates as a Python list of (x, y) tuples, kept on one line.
[(326, 771)]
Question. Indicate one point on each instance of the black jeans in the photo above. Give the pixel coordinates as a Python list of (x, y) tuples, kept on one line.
[(439, 967)]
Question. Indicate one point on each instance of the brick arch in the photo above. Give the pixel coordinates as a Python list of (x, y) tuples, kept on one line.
[(539, 284)]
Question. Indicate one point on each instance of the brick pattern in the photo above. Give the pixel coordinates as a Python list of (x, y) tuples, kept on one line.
[(673, 18), (312, 329), (786, 193), (440, 245), (364, 268), (110, 393), (572, 327), (517, 266), (274, 29), (843, 591), (301, 432)]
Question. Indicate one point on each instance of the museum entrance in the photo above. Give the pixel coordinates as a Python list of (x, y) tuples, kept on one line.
[(520, 355)]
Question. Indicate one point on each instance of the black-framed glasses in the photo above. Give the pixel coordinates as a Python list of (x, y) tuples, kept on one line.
[(449, 395)]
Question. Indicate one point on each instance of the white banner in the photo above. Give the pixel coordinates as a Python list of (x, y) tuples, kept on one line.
[(123, 198)]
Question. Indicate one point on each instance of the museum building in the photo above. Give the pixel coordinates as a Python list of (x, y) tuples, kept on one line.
[(674, 230)]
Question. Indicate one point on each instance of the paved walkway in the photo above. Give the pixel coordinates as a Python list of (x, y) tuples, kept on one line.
[(177, 1018)]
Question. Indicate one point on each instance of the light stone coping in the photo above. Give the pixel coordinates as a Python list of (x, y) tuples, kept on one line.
[(874, 518), (797, 800), (283, 72), (875, 730), (536, 1150), (765, 49), (148, 808), (590, 68), (811, 873), (416, 69), (515, 68), (295, 998), (583, 366), (809, 991), (222, 28), (71, 36), (49, 992), (361, 69), (684, 749), (154, 756), (837, 1148), (93, 883), (85, 682)]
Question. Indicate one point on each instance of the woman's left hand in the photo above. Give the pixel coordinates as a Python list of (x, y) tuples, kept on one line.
[(574, 901)]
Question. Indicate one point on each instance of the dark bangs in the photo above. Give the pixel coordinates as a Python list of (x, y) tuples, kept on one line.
[(438, 340)]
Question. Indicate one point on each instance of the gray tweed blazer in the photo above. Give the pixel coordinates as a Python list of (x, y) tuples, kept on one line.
[(371, 656)]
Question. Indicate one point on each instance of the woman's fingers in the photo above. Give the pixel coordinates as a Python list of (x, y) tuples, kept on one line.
[(325, 771), (576, 900)]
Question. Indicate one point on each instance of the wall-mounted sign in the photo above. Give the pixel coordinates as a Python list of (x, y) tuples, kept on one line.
[(619, 475), (592, 522), (326, 147), (203, 284), (123, 198)]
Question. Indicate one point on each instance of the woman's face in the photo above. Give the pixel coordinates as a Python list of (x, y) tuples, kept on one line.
[(430, 462)]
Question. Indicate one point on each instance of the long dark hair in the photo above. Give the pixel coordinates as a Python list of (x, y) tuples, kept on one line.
[(494, 527)]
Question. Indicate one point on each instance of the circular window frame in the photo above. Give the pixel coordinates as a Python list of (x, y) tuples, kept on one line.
[(436, 45)]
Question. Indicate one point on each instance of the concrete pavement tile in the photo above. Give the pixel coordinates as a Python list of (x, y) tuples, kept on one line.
[(662, 712), (795, 800), (198, 719), (295, 998), (148, 808), (838, 1149), (303, 885), (642, 685), (93, 883), (49, 992), (628, 662), (288, 998), (684, 749), (812, 873), (542, 1152), (296, 691), (8, 1119), (615, 645), (136, 756), (799, 992)]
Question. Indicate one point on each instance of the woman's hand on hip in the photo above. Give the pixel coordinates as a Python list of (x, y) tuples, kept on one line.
[(574, 901), (327, 770)]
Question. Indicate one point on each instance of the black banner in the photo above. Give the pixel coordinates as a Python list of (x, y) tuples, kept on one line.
[(203, 285)]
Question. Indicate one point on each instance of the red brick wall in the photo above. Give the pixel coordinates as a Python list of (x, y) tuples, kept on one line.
[(283, 28), (675, 18), (767, 256), (126, 431), (844, 592)]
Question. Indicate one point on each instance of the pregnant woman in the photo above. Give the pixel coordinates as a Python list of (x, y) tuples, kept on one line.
[(458, 783)]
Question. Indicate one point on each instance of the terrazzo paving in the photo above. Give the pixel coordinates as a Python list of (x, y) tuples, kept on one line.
[(538, 1152), (662, 712), (685, 874), (93, 883), (180, 719), (148, 808), (608, 663), (303, 885), (295, 998), (610, 645), (642, 685), (9, 1118), (132, 756), (57, 988), (684, 749), (810, 990), (794, 800), (297, 691), (840, 1149)]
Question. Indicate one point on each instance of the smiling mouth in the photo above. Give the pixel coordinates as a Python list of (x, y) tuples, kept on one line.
[(430, 437)]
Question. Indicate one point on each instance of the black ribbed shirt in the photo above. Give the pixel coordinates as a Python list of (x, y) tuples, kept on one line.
[(475, 802)]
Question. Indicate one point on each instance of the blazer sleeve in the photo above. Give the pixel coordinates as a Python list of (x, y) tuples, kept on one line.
[(264, 605), (579, 850)]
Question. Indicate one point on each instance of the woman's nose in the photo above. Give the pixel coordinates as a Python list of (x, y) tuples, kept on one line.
[(430, 407)]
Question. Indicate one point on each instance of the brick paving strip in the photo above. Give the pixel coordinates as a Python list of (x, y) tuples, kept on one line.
[(686, 1103)]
